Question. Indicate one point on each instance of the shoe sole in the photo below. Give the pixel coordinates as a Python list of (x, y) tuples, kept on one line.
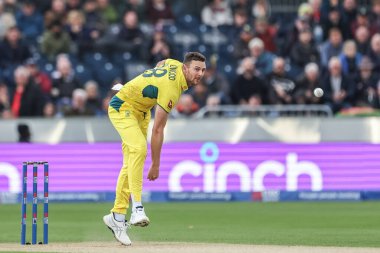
[(142, 223), (114, 234)]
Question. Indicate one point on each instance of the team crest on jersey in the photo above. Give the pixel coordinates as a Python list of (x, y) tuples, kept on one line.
[(170, 104)]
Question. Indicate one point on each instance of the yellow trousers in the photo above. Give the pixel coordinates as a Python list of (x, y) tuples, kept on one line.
[(132, 126)]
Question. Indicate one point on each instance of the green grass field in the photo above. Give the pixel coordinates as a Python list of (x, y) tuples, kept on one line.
[(323, 224)]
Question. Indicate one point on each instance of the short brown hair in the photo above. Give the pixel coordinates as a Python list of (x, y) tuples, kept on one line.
[(193, 56)]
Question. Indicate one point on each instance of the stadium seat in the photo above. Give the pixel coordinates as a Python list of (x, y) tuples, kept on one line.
[(95, 59), (133, 69), (83, 73), (188, 22), (107, 74)]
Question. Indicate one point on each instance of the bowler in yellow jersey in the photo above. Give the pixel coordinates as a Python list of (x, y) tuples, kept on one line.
[(129, 112)]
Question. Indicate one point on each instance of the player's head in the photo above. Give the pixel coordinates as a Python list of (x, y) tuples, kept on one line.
[(194, 66)]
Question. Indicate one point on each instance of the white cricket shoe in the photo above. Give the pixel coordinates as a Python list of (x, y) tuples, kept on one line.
[(118, 228), (139, 218)]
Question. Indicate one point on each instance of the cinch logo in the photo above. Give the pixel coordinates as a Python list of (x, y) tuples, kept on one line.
[(10, 171), (215, 179)]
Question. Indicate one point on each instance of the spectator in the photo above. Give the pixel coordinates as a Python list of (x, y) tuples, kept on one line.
[(242, 5), (73, 5), (13, 50), (4, 101), (49, 110), (159, 12), (78, 104), (304, 51), (366, 85), (129, 36), (94, 19), (159, 47), (10, 6), (217, 83), (7, 20), (55, 41), (291, 37), (362, 19), (374, 52), (82, 37), (27, 99), (200, 94), (38, 77), (266, 33), (217, 13), (316, 11), (261, 9), (332, 47), (138, 6), (248, 88), (303, 93), (240, 22), (241, 42), (186, 106), (281, 86), (335, 20), (30, 21), (338, 88), (362, 39), (349, 14), (350, 58), (93, 102), (262, 59), (64, 82), (374, 15), (56, 13), (107, 11)]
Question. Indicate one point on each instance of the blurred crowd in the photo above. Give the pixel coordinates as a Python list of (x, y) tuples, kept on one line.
[(59, 58)]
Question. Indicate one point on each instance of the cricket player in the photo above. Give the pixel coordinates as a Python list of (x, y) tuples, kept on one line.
[(129, 112)]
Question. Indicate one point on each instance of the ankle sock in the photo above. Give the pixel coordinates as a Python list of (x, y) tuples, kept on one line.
[(119, 217)]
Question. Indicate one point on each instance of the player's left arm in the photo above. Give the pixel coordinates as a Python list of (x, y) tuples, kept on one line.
[(160, 119)]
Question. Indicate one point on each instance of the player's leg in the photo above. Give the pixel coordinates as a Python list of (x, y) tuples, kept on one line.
[(118, 226), (123, 192), (138, 216)]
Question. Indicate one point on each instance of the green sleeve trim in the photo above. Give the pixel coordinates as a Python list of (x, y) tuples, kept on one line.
[(163, 108)]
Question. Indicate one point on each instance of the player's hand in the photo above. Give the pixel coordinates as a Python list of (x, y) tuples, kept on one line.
[(154, 173)]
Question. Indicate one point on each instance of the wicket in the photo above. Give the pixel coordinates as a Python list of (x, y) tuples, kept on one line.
[(35, 200)]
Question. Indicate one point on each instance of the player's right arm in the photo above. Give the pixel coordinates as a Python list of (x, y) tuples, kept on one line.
[(160, 119)]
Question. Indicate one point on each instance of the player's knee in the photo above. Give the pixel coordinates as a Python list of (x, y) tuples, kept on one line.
[(141, 149)]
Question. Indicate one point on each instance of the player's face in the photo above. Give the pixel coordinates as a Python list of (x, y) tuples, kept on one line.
[(194, 72)]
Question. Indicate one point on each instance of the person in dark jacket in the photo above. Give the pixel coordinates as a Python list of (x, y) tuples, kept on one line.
[(248, 89), (27, 99), (338, 88)]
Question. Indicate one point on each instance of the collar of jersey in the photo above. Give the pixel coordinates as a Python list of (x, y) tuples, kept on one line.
[(183, 82)]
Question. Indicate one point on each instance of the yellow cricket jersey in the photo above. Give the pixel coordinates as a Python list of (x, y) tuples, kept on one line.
[(162, 85)]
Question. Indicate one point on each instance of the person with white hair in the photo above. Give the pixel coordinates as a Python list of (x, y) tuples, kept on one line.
[(338, 88), (374, 53), (78, 104), (306, 84), (27, 98), (263, 59)]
